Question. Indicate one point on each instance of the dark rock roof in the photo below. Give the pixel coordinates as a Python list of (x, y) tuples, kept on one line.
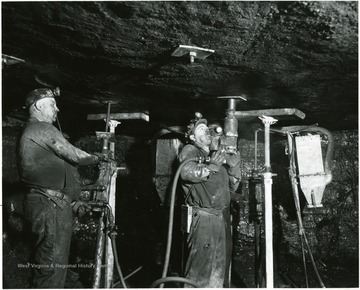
[(296, 54)]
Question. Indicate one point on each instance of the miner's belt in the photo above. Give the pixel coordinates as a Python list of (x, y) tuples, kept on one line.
[(56, 196), (217, 212)]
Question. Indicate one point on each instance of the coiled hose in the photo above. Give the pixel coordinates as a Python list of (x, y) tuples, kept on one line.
[(163, 279), (171, 221), (173, 279)]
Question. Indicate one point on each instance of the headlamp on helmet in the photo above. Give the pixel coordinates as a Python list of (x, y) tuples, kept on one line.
[(194, 123), (39, 94)]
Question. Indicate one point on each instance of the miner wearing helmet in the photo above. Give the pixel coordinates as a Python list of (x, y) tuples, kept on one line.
[(46, 163), (209, 186)]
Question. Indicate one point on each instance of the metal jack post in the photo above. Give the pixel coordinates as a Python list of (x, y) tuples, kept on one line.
[(256, 216), (266, 176), (109, 256), (267, 183), (107, 179), (104, 193), (108, 175)]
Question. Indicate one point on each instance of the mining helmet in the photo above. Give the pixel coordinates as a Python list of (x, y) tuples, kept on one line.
[(39, 94), (194, 123)]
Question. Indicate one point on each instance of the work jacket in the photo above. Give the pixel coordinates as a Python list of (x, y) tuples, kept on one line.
[(46, 159), (203, 190)]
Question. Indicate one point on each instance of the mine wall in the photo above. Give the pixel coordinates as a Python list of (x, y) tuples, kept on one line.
[(141, 207)]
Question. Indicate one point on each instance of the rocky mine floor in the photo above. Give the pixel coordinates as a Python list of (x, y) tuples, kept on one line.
[(339, 273)]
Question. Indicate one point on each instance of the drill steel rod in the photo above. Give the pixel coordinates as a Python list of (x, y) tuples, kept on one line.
[(232, 104), (255, 153), (107, 117)]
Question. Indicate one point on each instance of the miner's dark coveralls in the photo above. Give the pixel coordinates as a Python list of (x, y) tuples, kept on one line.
[(46, 165), (209, 240)]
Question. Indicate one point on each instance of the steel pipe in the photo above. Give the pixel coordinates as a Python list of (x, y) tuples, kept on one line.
[(100, 243), (267, 183)]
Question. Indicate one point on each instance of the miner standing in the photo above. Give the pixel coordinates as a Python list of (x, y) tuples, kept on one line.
[(46, 163), (209, 188)]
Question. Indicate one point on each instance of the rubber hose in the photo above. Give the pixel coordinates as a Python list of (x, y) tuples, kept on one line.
[(174, 279), (171, 215), (292, 175), (313, 262), (128, 276), (116, 259)]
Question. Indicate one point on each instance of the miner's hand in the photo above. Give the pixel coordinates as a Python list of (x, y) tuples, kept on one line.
[(233, 160), (217, 159), (80, 208), (102, 157)]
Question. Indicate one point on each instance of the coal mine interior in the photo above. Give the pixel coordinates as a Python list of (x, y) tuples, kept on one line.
[(275, 75)]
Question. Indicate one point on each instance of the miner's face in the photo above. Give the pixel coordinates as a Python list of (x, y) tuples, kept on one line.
[(202, 135), (48, 109)]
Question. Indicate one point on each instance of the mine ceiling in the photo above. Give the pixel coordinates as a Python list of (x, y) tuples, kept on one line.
[(295, 54)]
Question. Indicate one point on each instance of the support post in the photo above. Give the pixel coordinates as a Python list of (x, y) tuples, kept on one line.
[(100, 242), (267, 183), (109, 256), (108, 173)]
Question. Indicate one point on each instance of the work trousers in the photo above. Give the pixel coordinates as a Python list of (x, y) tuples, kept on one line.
[(210, 248), (51, 229)]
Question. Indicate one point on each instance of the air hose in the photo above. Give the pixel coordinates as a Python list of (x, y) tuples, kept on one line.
[(112, 235), (116, 259), (174, 279), (171, 217)]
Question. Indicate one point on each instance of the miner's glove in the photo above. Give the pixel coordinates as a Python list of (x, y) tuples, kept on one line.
[(236, 198), (102, 157), (233, 160), (80, 208), (216, 160)]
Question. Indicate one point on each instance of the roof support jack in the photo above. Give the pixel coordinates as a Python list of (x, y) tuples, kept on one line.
[(103, 200), (192, 51)]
